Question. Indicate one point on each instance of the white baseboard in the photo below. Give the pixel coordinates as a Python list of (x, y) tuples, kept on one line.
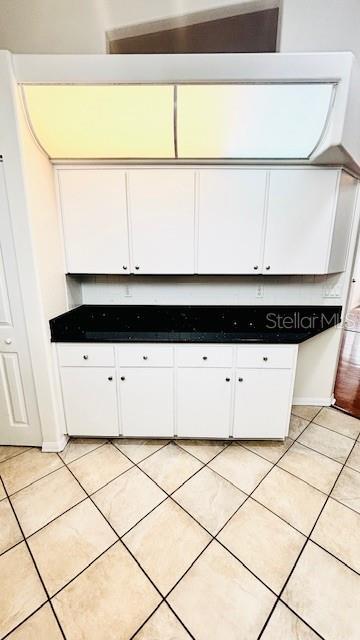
[(55, 447), (319, 402)]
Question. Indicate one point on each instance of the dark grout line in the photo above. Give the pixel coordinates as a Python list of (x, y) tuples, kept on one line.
[(82, 455), (25, 620), (302, 418), (118, 540), (10, 495), (170, 496), (333, 430), (183, 623), (334, 556), (302, 619), (31, 535), (12, 547), (147, 620), (321, 453), (20, 453), (56, 593), (224, 444), (166, 442), (36, 567), (344, 505), (163, 602), (308, 538)]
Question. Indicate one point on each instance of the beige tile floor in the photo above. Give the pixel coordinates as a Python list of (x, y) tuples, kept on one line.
[(156, 540)]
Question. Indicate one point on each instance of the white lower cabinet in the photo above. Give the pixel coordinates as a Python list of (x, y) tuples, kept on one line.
[(203, 402), (90, 401), (262, 403), (189, 391), (147, 402)]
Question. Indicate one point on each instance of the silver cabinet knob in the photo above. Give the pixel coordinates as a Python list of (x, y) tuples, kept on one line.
[(241, 379), (145, 357), (204, 357), (267, 267), (122, 378), (110, 378), (256, 266), (86, 357), (8, 341), (137, 267), (227, 379), (265, 358), (124, 267)]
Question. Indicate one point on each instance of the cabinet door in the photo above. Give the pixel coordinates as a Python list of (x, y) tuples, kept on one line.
[(231, 216), (90, 401), (203, 403), (300, 220), (161, 205), (93, 205), (262, 403), (146, 397)]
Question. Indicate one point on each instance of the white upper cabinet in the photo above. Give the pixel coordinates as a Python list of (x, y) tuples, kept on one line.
[(301, 218), (161, 211), (231, 206), (236, 220), (93, 207)]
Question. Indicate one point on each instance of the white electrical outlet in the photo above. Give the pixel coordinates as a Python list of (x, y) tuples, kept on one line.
[(331, 292), (260, 291)]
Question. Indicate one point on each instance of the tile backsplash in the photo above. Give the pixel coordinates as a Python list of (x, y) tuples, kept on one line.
[(247, 290)]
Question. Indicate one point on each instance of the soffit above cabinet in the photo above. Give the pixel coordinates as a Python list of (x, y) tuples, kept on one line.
[(102, 121), (218, 121), (255, 121), (254, 108)]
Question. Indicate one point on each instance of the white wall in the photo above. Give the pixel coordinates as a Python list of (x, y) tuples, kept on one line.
[(45, 222), (320, 25), (52, 26), (80, 26)]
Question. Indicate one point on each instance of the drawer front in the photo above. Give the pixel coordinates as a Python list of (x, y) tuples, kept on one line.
[(204, 356), (86, 355), (265, 357), (145, 355)]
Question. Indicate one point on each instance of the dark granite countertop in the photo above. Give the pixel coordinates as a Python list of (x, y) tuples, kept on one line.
[(170, 323)]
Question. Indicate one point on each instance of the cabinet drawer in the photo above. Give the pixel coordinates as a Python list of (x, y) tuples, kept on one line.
[(86, 355), (204, 356), (265, 357), (145, 355)]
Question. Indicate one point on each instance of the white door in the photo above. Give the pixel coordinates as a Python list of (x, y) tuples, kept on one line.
[(231, 215), (161, 208), (19, 419), (146, 401), (299, 221), (90, 401), (262, 403), (94, 213), (203, 402)]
